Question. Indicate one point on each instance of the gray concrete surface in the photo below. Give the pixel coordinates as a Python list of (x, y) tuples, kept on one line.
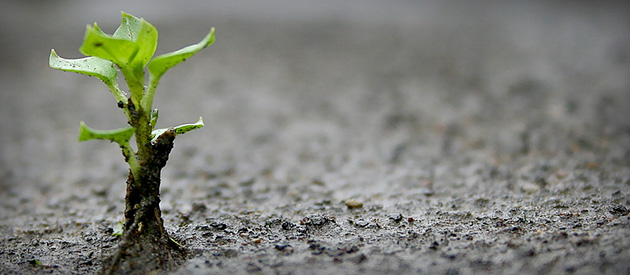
[(487, 137)]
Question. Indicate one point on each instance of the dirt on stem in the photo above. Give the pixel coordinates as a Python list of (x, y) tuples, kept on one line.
[(145, 245)]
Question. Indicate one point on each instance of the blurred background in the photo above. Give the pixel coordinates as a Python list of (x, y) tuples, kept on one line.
[(306, 88)]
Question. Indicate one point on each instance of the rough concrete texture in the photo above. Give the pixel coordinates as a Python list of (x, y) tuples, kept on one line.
[(341, 138)]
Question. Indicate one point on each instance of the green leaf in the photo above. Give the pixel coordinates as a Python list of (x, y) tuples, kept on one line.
[(118, 229), (35, 262), (160, 64), (140, 32), (100, 68), (120, 136), (181, 129), (185, 128), (97, 43)]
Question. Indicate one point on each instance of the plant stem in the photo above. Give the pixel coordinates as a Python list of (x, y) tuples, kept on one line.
[(143, 134), (135, 84), (117, 92), (139, 117), (147, 100), (130, 158)]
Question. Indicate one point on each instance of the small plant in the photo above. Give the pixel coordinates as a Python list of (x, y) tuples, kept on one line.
[(145, 244)]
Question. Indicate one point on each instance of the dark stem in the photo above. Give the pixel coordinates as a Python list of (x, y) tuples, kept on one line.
[(145, 244)]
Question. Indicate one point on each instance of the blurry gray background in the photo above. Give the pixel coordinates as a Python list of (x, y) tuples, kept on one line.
[(319, 77)]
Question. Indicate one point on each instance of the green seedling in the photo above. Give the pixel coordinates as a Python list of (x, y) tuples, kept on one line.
[(118, 229), (145, 244)]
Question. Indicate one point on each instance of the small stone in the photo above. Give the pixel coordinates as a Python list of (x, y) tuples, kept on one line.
[(199, 207), (352, 203), (288, 225), (396, 217), (619, 210), (284, 247), (318, 182), (247, 182), (561, 174), (529, 187), (361, 223)]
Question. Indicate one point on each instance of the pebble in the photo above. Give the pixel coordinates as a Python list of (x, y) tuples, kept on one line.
[(529, 187), (352, 203)]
